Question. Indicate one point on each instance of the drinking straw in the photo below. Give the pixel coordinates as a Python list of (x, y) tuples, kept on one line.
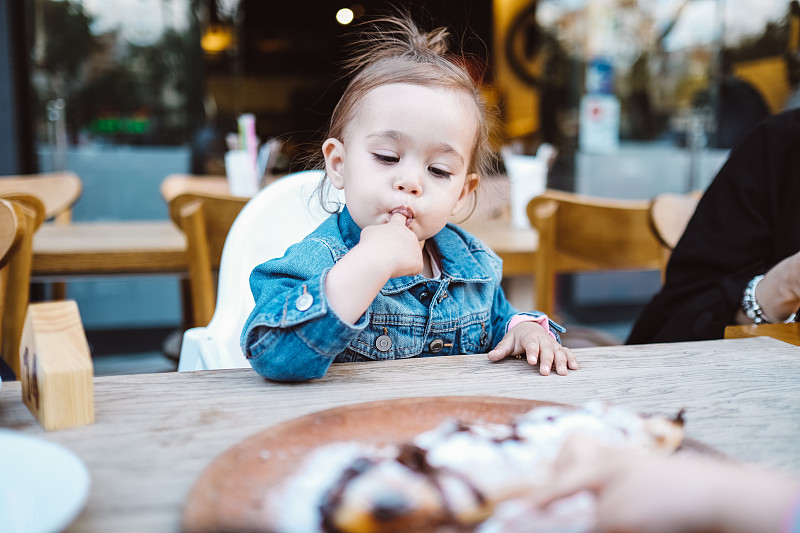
[(247, 136)]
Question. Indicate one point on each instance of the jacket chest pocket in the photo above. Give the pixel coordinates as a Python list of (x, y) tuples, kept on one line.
[(475, 334), (389, 341)]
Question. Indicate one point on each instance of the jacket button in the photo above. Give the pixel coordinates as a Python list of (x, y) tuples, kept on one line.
[(424, 295), (484, 338), (383, 343), (304, 301), (436, 345)]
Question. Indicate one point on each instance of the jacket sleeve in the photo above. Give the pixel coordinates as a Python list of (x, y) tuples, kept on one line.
[(739, 230), (292, 334), (502, 311)]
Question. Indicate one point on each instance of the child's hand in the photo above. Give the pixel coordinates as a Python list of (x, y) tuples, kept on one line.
[(385, 251), (395, 246), (538, 345)]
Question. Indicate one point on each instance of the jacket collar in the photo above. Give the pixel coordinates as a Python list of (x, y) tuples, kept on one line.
[(348, 228), (455, 254)]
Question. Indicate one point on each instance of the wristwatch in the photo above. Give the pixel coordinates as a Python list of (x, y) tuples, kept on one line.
[(752, 309)]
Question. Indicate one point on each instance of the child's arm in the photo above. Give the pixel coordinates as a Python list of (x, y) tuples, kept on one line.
[(295, 330), (292, 334), (385, 251)]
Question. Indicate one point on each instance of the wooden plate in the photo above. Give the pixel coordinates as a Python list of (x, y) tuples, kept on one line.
[(230, 494)]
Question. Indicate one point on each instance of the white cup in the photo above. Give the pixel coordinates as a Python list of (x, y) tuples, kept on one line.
[(241, 173), (528, 177)]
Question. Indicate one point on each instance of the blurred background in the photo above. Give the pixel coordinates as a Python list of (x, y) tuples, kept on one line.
[(638, 96)]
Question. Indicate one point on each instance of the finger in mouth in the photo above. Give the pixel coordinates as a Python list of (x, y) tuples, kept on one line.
[(406, 212)]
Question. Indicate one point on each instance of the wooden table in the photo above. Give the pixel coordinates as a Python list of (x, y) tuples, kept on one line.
[(515, 246), (102, 248), (784, 332), (154, 434)]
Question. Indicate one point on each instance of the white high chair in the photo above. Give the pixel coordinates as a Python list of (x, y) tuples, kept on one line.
[(275, 218)]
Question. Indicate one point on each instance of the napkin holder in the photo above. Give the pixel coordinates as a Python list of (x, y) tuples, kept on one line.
[(56, 366)]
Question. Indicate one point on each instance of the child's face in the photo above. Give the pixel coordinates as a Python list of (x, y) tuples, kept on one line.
[(408, 149)]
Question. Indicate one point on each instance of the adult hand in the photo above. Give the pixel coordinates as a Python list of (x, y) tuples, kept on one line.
[(639, 491)]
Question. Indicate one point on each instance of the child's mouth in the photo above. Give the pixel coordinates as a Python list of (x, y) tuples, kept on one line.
[(406, 212)]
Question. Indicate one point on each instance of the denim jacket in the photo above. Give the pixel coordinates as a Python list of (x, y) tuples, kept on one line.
[(292, 334)]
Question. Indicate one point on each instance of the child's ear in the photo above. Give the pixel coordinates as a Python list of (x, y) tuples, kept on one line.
[(333, 150), (470, 184)]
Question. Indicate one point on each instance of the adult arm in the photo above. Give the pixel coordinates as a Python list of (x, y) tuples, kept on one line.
[(647, 492)]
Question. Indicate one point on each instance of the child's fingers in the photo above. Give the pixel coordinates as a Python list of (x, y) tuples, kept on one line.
[(503, 349), (547, 356), (565, 360), (532, 351), (572, 361), (552, 355), (397, 218), (560, 361)]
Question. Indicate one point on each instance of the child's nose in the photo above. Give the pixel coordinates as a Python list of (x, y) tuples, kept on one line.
[(408, 182)]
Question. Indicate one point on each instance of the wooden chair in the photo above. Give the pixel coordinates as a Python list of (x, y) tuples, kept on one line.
[(21, 216), (668, 215), (783, 332), (12, 229), (58, 191), (579, 233), (205, 219)]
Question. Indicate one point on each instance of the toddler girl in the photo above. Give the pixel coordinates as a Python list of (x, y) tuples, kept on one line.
[(388, 277)]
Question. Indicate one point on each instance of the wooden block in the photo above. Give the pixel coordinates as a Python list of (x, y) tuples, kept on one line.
[(56, 365)]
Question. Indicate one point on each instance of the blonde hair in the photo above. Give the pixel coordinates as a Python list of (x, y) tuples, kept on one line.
[(396, 51)]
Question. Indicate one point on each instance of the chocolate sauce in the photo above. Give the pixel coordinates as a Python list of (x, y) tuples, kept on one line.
[(415, 459), (333, 498)]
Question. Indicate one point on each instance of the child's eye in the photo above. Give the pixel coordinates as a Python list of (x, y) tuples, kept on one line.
[(386, 159), (439, 172)]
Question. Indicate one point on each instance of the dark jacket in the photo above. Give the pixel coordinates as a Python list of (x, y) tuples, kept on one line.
[(747, 221)]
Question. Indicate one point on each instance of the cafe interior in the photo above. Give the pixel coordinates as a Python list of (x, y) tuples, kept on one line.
[(153, 152)]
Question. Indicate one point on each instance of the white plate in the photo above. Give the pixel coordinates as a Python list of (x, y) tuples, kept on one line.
[(43, 486)]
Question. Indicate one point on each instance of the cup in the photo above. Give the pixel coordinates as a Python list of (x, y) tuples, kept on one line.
[(527, 175), (241, 173)]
